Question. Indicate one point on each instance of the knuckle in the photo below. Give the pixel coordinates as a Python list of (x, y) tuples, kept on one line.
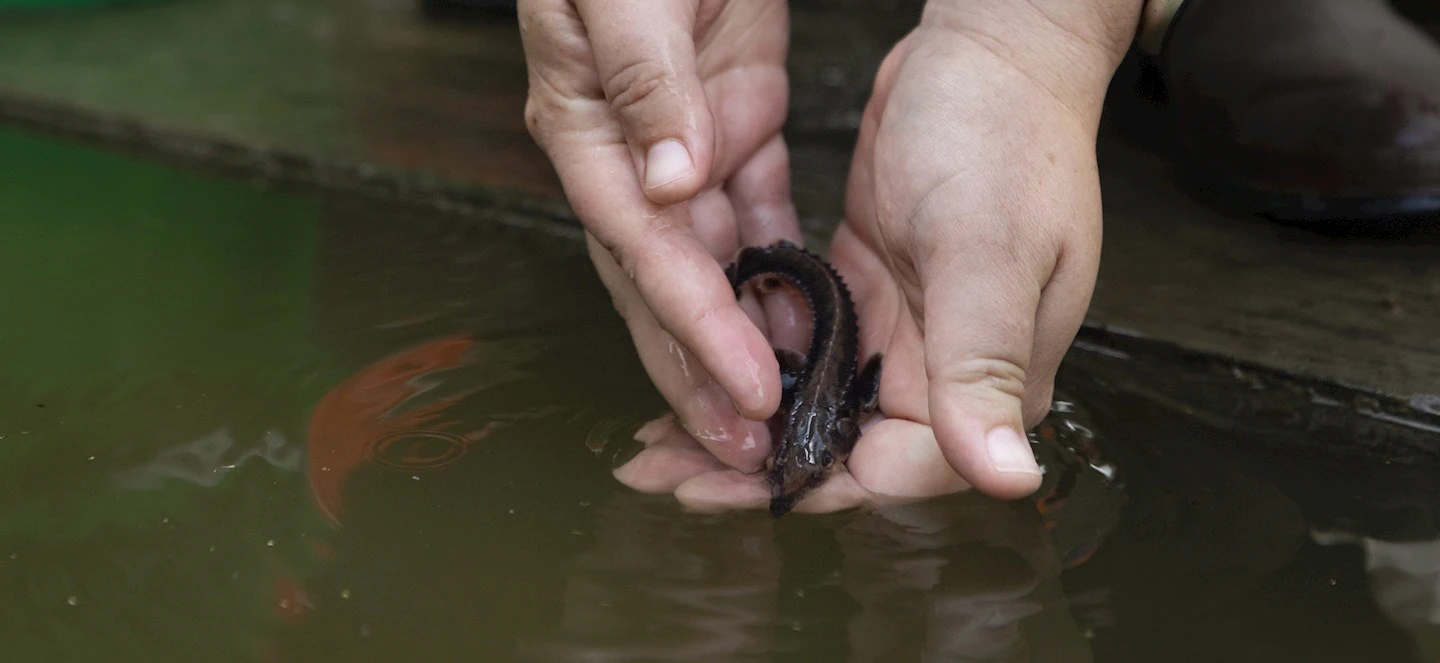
[(702, 315), (547, 100), (553, 30), (536, 119), (1001, 375), (628, 88), (557, 51), (546, 116), (549, 114)]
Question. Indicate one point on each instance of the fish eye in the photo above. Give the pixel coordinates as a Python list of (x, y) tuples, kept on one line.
[(826, 459)]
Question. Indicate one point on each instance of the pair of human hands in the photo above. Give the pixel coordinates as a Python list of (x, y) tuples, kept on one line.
[(970, 242)]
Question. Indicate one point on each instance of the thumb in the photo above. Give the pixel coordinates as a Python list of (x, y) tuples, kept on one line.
[(979, 318), (644, 53)]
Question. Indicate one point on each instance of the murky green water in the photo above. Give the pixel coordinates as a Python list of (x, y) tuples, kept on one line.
[(245, 426)]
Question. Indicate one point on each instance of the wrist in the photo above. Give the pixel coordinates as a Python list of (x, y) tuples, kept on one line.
[(1070, 48)]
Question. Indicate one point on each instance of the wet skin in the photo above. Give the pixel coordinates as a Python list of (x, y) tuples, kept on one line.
[(823, 398)]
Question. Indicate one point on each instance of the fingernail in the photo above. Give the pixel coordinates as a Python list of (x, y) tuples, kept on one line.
[(667, 161), (1010, 452)]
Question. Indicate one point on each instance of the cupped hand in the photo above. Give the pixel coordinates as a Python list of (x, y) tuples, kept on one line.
[(971, 244), (662, 119)]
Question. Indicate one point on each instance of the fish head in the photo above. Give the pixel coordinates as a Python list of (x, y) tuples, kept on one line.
[(804, 459)]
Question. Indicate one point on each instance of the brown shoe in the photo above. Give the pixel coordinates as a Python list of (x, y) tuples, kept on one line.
[(1308, 109)]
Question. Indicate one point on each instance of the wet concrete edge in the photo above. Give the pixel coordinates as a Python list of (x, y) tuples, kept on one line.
[(1228, 391), (281, 169)]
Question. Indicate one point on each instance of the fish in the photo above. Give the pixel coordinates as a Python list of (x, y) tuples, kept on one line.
[(825, 393)]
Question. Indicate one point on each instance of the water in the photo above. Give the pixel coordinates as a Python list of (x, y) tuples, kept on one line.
[(239, 425)]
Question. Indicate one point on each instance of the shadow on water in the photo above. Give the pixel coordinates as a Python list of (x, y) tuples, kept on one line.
[(244, 426)]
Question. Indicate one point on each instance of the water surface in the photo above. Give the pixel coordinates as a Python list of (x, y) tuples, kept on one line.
[(239, 425)]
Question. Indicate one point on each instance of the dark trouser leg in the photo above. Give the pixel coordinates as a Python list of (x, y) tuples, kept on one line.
[(1308, 109)]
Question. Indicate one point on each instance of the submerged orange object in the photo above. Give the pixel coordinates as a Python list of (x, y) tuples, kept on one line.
[(357, 422)]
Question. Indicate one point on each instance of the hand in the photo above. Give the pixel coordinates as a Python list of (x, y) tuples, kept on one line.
[(662, 118), (971, 244)]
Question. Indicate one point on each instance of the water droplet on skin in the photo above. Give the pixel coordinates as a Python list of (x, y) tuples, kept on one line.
[(754, 370), (679, 352), (712, 435), (749, 441)]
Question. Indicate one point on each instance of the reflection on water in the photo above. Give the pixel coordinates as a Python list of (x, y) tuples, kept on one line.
[(240, 426), (954, 579), (654, 585)]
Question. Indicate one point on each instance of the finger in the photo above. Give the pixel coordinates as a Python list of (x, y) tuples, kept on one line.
[(880, 307), (713, 222), (666, 432), (838, 493), (764, 211), (727, 490), (899, 458), (979, 324), (1063, 304), (660, 470), (671, 457), (644, 53), (674, 274), (702, 405), (761, 196)]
